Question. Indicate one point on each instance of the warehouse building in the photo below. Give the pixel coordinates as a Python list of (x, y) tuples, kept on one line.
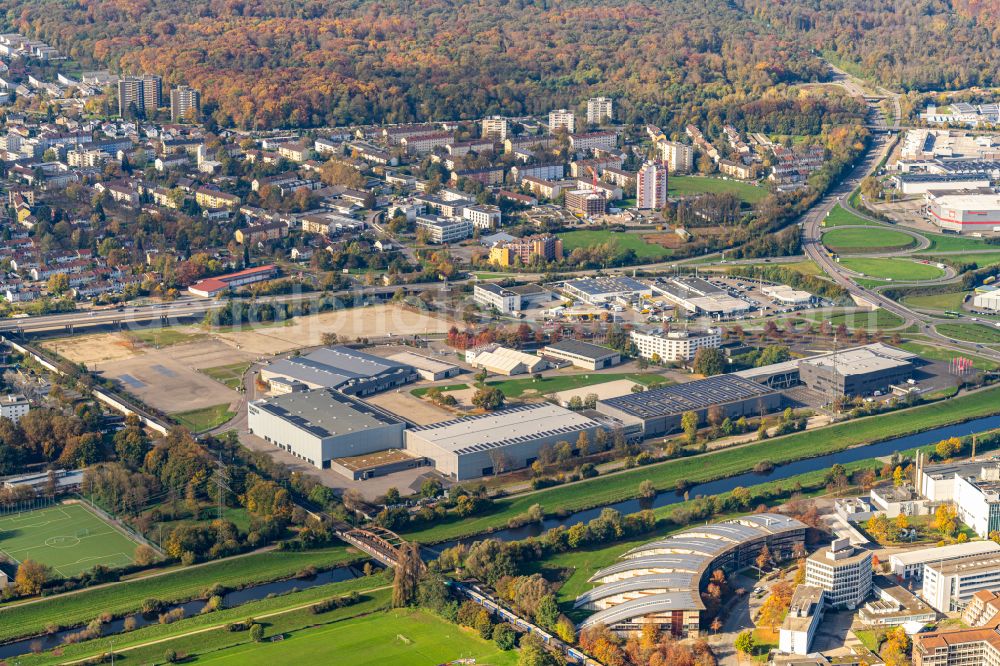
[(660, 582), (859, 371), (431, 369), (659, 411), (503, 361), (858, 368), (671, 346), (318, 426), (583, 354), (699, 296), (922, 183), (345, 369), (600, 290), (469, 448), (987, 297), (965, 212)]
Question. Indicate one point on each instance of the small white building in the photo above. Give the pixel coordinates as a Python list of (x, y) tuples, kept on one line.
[(804, 616), (494, 296), (987, 298), (13, 406)]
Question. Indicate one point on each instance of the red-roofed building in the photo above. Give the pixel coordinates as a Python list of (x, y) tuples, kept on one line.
[(213, 286)]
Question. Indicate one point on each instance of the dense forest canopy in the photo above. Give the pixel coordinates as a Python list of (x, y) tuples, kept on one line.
[(917, 45), (288, 62)]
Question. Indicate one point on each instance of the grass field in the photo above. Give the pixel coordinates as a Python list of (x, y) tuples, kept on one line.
[(987, 335), (980, 259), (206, 418), (516, 388), (855, 241), (164, 337), (951, 300), (948, 243), (401, 637), (643, 250), (70, 538), (181, 584), (686, 185), (205, 633), (934, 353), (902, 270), (230, 375), (721, 464), (839, 217), (870, 320)]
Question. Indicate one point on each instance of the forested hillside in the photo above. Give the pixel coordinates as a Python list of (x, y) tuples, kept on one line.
[(307, 63), (913, 45)]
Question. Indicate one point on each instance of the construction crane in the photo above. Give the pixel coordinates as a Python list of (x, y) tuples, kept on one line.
[(593, 172)]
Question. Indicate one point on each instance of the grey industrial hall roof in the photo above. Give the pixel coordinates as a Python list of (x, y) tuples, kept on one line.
[(330, 367), (699, 545), (654, 603), (690, 396), (509, 426), (672, 581), (325, 412), (606, 285), (941, 177), (593, 352)]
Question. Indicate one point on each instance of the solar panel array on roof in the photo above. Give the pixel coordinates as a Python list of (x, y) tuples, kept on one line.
[(691, 396)]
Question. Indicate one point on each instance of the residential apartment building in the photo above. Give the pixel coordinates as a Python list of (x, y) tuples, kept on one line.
[(553, 171), (13, 406), (593, 141), (441, 230), (978, 646), (420, 144), (673, 346), (679, 157), (207, 198), (845, 573), (586, 202), (549, 248), (139, 96), (561, 119), (185, 104), (482, 216), (651, 186), (548, 189), (737, 169), (261, 233), (599, 109), (495, 127)]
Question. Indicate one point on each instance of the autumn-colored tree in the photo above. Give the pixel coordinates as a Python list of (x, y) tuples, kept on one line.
[(31, 576)]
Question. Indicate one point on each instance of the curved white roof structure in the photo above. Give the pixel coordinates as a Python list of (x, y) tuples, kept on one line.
[(665, 575)]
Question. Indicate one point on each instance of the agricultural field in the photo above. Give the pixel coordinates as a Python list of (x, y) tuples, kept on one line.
[(987, 335), (403, 637), (951, 300), (688, 185), (626, 241), (900, 270), (70, 538), (231, 375), (858, 241), (206, 418), (839, 217)]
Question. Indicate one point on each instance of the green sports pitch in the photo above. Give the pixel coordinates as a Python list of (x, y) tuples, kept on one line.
[(70, 538)]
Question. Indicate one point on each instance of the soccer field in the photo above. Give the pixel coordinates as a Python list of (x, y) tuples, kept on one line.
[(67, 537), (398, 637)]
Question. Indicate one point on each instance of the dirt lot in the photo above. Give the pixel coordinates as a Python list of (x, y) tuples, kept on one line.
[(168, 378), (421, 412), (374, 321), (92, 349), (668, 240)]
